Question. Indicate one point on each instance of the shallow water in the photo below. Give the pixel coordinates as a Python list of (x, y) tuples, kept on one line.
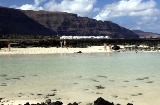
[(126, 77)]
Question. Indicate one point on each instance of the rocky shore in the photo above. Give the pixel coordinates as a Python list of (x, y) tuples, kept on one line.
[(99, 101)]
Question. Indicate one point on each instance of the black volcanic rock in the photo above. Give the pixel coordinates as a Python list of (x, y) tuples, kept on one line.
[(13, 21), (101, 101), (129, 104), (73, 103)]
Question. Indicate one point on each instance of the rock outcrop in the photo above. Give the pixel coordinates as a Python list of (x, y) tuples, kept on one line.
[(99, 101), (13, 21)]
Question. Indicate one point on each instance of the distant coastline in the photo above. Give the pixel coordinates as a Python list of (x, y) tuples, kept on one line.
[(90, 49)]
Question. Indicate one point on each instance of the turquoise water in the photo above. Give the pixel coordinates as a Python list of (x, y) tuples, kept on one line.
[(122, 74)]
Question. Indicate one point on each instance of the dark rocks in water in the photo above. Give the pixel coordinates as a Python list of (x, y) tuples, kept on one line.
[(102, 76), (7, 79), (133, 94), (16, 78), (100, 87), (98, 93), (126, 81), (58, 98), (79, 52), (73, 103), (140, 93), (57, 103), (51, 94), (149, 82), (54, 90), (129, 104), (1, 98), (39, 94), (115, 96), (35, 75), (27, 103), (31, 94), (139, 79), (142, 78), (146, 78), (115, 47), (48, 101), (3, 75), (101, 101), (94, 80), (3, 84)]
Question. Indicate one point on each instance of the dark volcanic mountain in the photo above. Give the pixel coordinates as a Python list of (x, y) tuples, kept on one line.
[(13, 21), (143, 34)]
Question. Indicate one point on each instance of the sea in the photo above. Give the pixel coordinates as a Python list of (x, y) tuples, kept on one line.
[(119, 77)]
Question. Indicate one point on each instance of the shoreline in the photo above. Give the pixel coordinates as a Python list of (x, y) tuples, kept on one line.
[(53, 50)]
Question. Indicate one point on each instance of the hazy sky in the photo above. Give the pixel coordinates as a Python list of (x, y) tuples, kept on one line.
[(132, 14)]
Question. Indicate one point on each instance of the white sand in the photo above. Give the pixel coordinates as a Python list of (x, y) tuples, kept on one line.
[(52, 50)]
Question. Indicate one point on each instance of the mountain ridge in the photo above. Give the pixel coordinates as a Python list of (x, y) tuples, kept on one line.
[(15, 21), (143, 34)]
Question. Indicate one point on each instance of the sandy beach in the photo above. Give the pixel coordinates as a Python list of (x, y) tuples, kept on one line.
[(52, 50)]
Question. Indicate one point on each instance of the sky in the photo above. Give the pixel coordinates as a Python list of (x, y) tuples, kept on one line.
[(132, 14)]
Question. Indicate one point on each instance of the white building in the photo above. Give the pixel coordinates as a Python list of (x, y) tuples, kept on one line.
[(84, 37)]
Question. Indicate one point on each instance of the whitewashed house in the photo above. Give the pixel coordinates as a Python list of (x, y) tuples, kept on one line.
[(84, 37)]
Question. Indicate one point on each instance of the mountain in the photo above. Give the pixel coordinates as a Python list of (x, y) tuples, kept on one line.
[(143, 34), (14, 21), (28, 22)]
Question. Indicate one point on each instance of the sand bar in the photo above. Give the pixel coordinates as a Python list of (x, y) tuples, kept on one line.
[(52, 50)]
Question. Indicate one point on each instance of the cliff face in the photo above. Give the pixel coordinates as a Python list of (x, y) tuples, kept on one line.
[(57, 23), (16, 22)]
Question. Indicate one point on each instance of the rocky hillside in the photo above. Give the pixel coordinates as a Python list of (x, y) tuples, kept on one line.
[(13, 21), (143, 34)]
